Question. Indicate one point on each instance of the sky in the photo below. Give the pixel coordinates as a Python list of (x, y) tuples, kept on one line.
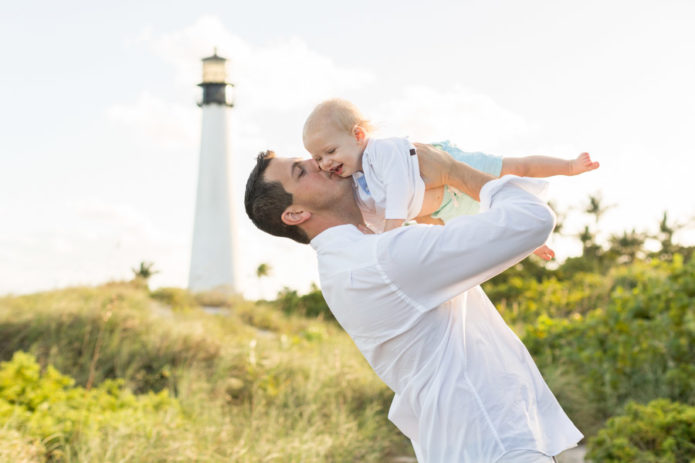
[(100, 131)]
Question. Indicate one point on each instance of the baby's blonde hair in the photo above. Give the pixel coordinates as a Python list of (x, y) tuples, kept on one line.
[(341, 113)]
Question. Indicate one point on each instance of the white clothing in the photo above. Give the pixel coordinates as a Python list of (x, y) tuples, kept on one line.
[(395, 189), (525, 456), (466, 388)]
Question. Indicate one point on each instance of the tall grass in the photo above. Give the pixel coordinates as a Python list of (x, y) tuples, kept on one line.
[(256, 385)]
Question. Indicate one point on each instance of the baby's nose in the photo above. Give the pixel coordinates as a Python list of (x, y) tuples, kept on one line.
[(324, 164)]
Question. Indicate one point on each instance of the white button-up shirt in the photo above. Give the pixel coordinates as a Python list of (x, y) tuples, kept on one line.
[(466, 388)]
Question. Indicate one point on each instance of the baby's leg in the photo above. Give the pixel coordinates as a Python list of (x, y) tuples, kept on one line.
[(544, 252), (428, 219)]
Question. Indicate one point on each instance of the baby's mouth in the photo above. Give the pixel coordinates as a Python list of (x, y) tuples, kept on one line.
[(338, 170)]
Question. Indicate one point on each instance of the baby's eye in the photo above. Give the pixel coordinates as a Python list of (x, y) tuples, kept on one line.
[(331, 151)]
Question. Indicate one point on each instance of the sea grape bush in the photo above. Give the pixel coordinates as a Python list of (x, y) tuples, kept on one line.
[(661, 431), (639, 345), (48, 407)]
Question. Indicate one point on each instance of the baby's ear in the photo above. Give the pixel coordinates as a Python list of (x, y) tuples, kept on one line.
[(295, 216), (359, 133)]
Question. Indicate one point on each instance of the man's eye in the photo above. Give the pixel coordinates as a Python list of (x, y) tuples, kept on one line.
[(301, 171)]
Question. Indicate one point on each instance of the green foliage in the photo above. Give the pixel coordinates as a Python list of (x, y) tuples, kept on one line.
[(311, 304), (47, 406), (660, 432), (521, 301), (144, 271), (176, 298), (638, 346), (254, 385), (263, 270)]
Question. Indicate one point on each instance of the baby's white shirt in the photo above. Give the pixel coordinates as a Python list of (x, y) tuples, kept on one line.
[(391, 186)]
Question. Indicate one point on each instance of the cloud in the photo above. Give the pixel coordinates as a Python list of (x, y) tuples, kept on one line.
[(166, 124), (471, 119), (279, 76)]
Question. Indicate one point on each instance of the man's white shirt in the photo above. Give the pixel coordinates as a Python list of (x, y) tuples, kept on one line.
[(466, 387)]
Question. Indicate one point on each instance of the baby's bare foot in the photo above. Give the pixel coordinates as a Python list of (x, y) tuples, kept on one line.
[(544, 252), (582, 164)]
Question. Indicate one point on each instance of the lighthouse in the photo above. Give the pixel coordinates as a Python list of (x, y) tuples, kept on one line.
[(214, 254)]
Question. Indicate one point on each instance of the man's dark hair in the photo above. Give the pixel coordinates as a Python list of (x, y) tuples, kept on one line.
[(266, 201)]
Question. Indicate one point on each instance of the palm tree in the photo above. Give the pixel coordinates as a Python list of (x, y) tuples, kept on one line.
[(263, 270), (596, 206), (144, 272), (628, 246)]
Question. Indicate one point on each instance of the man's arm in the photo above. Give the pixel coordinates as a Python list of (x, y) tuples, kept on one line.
[(438, 168), (431, 265)]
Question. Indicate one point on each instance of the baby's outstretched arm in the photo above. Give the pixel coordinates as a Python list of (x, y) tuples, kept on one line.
[(545, 166)]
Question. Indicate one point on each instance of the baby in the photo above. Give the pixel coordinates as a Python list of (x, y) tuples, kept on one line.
[(388, 185)]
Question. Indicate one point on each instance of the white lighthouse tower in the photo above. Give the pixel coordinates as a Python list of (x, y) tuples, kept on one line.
[(213, 257)]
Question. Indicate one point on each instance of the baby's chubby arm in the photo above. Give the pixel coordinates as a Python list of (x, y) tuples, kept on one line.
[(546, 166)]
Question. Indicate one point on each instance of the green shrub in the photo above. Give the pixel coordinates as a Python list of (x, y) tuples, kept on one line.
[(311, 304), (659, 432), (253, 385), (638, 346), (176, 298), (47, 406)]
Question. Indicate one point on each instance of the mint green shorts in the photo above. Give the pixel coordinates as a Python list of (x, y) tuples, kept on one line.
[(456, 203)]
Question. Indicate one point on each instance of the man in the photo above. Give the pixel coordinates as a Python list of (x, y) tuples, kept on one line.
[(466, 388)]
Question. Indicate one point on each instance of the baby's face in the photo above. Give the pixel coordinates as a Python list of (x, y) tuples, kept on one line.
[(336, 150)]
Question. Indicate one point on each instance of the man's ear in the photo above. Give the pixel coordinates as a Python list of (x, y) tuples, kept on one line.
[(359, 133), (295, 216)]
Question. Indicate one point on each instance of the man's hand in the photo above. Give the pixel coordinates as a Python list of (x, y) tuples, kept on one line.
[(435, 165), (438, 168)]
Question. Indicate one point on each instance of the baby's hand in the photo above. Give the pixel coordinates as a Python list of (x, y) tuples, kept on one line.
[(544, 252), (582, 164)]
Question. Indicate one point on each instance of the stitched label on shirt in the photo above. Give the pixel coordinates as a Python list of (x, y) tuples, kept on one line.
[(412, 151)]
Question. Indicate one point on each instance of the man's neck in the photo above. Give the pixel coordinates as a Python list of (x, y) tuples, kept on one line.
[(345, 214)]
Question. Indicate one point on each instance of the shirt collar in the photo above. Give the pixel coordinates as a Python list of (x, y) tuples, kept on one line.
[(326, 237)]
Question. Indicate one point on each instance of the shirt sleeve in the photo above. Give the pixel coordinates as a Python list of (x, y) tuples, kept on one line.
[(393, 164), (429, 265)]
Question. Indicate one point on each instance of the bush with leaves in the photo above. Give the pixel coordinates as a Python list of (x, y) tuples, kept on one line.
[(311, 304), (638, 346), (661, 431), (47, 406)]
